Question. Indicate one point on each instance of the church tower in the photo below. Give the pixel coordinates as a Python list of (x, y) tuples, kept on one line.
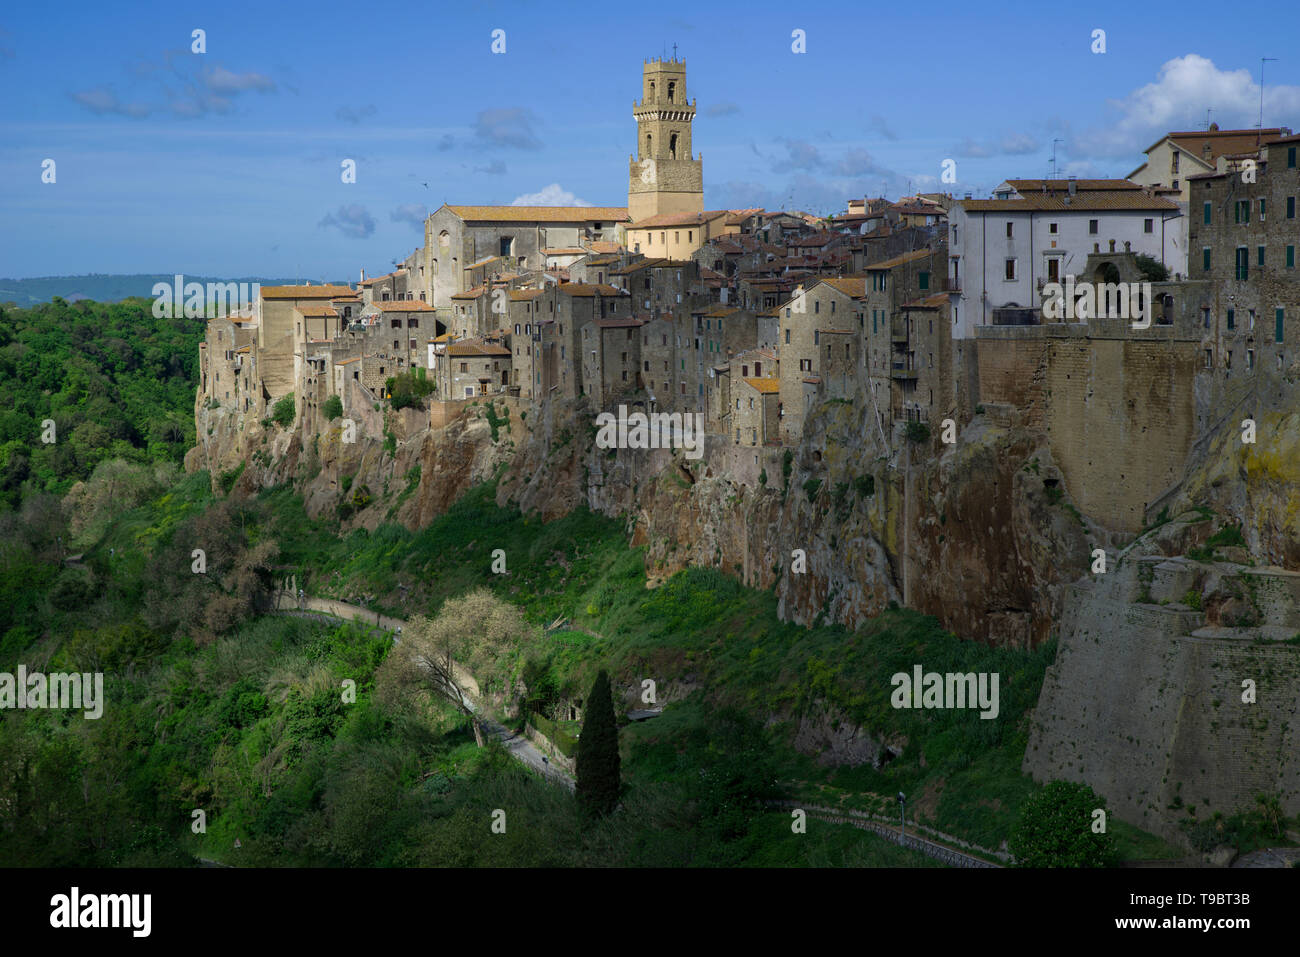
[(662, 175)]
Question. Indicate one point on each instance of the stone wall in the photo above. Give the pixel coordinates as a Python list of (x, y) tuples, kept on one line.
[(1012, 363), (1146, 709), (1120, 417)]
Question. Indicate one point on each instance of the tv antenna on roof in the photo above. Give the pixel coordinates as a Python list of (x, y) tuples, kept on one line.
[(1055, 171), (1262, 61)]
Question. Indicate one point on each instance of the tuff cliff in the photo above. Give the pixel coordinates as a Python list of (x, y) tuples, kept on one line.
[(975, 533)]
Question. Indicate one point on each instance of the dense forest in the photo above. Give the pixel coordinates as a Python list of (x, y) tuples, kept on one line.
[(215, 706), (117, 383)]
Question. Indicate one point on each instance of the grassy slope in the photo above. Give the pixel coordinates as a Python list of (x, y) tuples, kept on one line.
[(964, 772)]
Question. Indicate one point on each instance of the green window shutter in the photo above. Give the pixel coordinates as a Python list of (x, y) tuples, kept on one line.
[(1205, 259), (1207, 214), (1260, 260), (1290, 257), (925, 280), (1232, 318), (1279, 321)]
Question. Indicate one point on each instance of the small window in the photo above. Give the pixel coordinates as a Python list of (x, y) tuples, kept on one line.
[(1093, 225), (1010, 229), (1051, 228), (1207, 211), (1205, 259), (1148, 225), (1010, 273)]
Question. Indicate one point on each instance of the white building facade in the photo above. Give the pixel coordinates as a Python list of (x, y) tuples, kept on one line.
[(1003, 251)]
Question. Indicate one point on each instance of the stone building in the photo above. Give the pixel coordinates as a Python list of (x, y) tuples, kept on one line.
[(922, 338), (228, 365), (756, 414), (811, 369), (676, 236), (1244, 237), (401, 330), (281, 332), (663, 177), (611, 359), (889, 353), (473, 367), (508, 239)]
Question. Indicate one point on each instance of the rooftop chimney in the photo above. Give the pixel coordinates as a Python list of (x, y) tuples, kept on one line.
[(1073, 185)]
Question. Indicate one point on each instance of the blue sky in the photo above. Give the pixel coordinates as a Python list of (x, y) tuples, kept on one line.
[(228, 163)]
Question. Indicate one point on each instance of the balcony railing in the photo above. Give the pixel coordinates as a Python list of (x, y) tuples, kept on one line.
[(1016, 316)]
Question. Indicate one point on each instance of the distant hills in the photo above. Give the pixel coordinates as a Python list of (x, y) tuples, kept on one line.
[(104, 287)]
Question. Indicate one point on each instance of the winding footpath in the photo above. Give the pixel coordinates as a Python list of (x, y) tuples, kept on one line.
[(519, 747)]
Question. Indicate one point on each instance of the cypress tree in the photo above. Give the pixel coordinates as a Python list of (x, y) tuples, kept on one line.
[(598, 761)]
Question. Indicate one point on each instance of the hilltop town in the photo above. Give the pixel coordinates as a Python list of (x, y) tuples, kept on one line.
[(930, 306), (967, 437)]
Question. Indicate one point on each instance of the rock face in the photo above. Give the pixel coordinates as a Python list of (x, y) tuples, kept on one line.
[(833, 741), (969, 533), (1162, 711)]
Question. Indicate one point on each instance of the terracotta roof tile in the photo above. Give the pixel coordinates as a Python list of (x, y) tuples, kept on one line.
[(305, 292), (541, 214), (403, 305)]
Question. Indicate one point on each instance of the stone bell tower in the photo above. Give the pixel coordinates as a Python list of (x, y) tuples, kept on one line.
[(662, 175)]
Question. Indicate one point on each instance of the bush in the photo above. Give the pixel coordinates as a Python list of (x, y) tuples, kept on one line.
[(917, 432), (407, 390), (228, 479), (811, 487), (333, 408), (866, 485), (495, 422), (1152, 269), (283, 411), (1055, 829)]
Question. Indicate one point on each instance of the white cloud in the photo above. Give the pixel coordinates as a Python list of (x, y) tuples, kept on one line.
[(553, 195), (1185, 87)]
